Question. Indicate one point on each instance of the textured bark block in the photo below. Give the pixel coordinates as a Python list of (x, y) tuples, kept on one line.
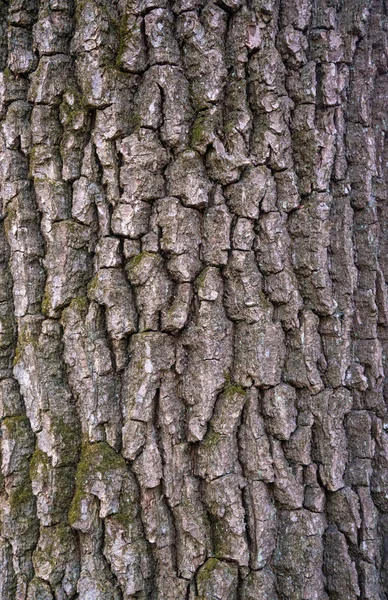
[(288, 486), (301, 536), (254, 448), (244, 197), (71, 262), (193, 533), (261, 523), (216, 243), (207, 344), (244, 298), (152, 353), (223, 499), (217, 577), (279, 410), (187, 180), (110, 288), (217, 454), (341, 575), (259, 353), (329, 436), (153, 289), (259, 585), (180, 238), (50, 79), (343, 509), (193, 300), (56, 559)]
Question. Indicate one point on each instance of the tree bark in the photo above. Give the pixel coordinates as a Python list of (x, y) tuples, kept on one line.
[(193, 299)]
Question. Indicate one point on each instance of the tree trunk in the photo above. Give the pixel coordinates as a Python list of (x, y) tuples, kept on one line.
[(193, 299)]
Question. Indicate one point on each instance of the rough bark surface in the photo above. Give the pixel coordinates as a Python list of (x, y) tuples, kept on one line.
[(193, 299)]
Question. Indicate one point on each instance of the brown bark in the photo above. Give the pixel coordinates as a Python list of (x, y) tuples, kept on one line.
[(193, 299)]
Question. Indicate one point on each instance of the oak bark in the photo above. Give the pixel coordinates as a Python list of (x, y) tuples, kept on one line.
[(193, 299)]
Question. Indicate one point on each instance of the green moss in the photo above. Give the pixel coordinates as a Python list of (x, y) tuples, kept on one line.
[(72, 106), (75, 507), (229, 127), (171, 312), (80, 5), (80, 304), (56, 542), (103, 10), (265, 303), (95, 458), (199, 130), (72, 227), (7, 334), (210, 565), (68, 434), (39, 461), (46, 303), (123, 37), (81, 481), (231, 387), (77, 100), (104, 458), (10, 218), (18, 429), (136, 260), (21, 497), (127, 512), (211, 438), (128, 33), (70, 118), (206, 572), (25, 338), (13, 424), (8, 73), (32, 162), (122, 519), (220, 536), (93, 286), (235, 388), (135, 122), (15, 420), (62, 535), (200, 281)]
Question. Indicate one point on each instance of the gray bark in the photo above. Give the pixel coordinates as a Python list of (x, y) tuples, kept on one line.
[(193, 299)]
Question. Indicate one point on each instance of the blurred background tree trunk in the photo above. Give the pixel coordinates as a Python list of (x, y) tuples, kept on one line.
[(193, 299)]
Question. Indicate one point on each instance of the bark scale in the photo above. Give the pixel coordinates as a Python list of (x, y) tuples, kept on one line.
[(193, 299)]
